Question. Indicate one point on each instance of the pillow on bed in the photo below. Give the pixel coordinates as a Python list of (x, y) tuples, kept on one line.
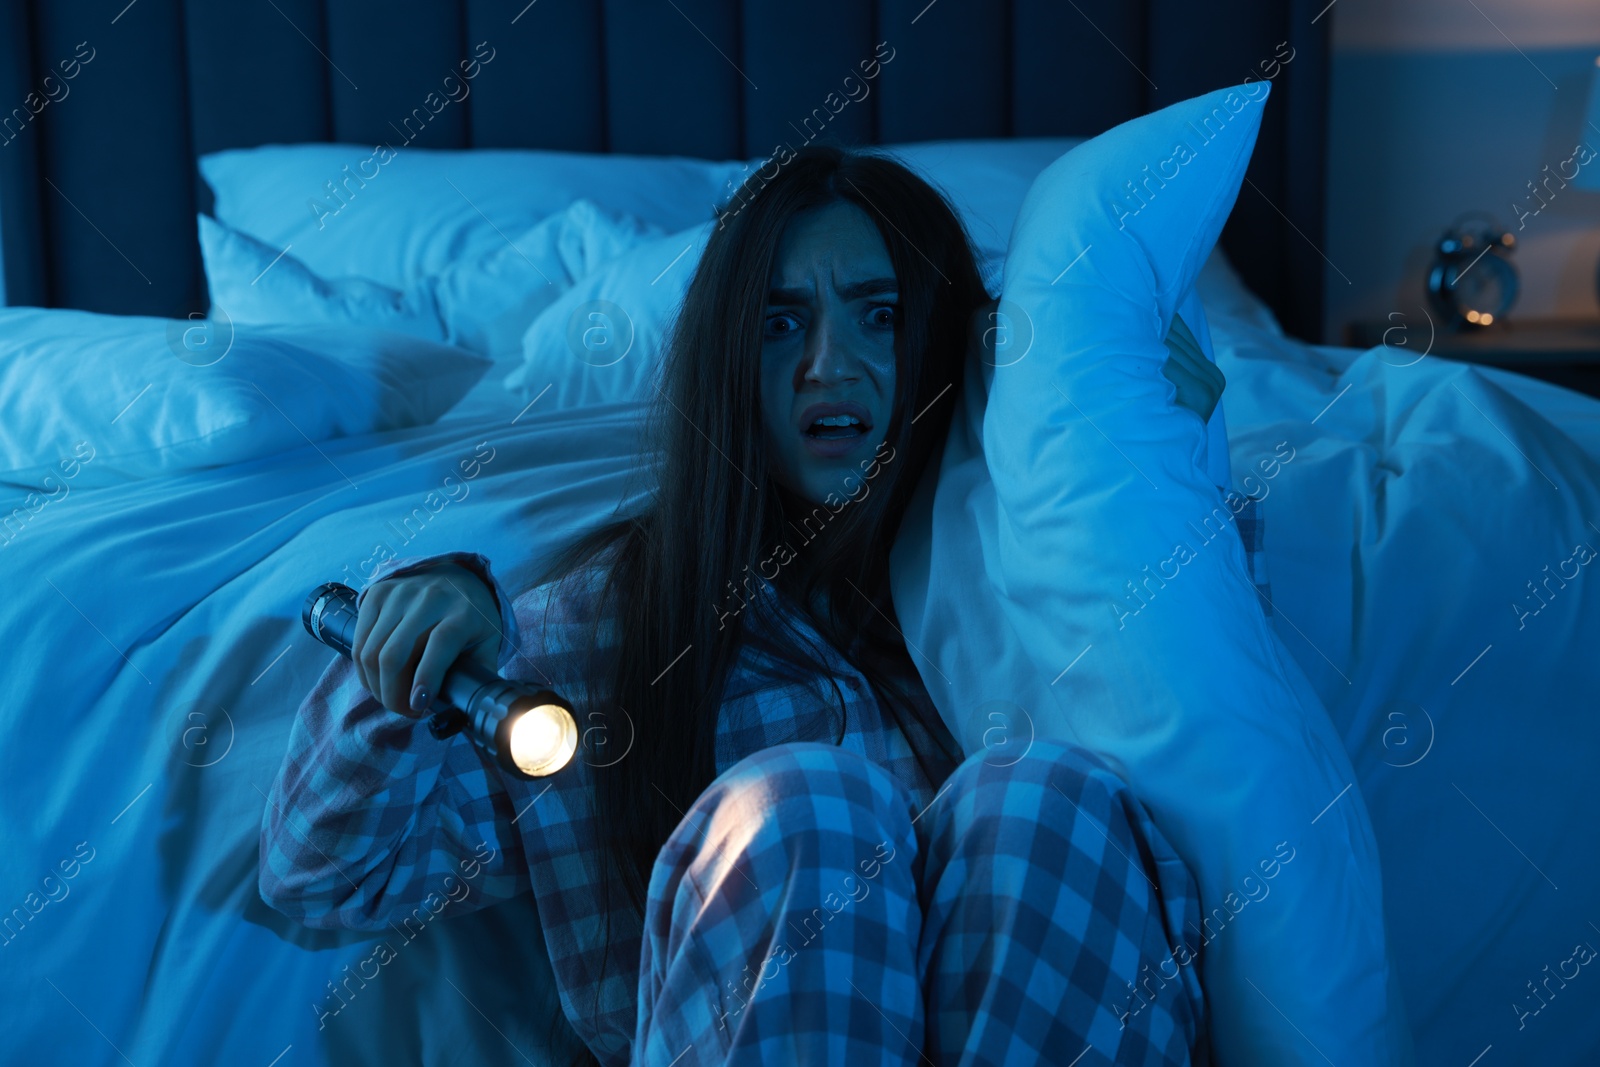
[(97, 400), (985, 179), (397, 216), (1069, 556), (483, 303), (601, 341)]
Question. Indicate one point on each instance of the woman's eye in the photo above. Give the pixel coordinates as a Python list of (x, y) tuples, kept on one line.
[(780, 324), (882, 315)]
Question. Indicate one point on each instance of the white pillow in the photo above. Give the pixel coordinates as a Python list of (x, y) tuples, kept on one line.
[(984, 179), (1069, 476), (483, 303), (601, 341), (137, 397), (488, 304), (398, 216), (252, 282)]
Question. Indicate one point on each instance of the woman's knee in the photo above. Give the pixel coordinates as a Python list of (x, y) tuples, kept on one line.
[(1054, 853), (794, 843), (802, 784), (797, 797), (1052, 788)]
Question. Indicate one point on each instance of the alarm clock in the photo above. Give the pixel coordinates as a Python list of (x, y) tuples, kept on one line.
[(1472, 282)]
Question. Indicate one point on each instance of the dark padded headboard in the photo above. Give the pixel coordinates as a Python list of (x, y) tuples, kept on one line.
[(98, 190)]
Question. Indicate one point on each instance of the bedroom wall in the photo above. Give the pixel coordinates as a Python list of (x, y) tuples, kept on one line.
[(1443, 106)]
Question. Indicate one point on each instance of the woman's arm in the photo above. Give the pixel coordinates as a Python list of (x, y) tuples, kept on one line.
[(371, 817)]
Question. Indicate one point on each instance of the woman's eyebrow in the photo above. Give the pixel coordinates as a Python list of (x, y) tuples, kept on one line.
[(850, 291)]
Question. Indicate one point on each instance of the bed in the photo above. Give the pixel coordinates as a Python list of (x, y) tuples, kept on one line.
[(153, 621)]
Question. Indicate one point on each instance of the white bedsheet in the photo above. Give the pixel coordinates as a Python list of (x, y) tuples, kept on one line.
[(156, 659)]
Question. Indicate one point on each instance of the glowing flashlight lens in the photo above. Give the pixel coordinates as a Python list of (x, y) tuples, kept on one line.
[(543, 739)]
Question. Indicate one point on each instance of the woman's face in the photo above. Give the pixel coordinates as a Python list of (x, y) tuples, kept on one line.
[(828, 350)]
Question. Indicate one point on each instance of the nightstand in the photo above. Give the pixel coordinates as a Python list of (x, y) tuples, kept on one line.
[(1563, 351)]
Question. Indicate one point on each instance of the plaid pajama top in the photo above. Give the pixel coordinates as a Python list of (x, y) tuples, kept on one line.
[(370, 814)]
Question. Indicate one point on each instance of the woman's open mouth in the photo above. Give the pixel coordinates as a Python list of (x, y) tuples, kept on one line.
[(830, 436)]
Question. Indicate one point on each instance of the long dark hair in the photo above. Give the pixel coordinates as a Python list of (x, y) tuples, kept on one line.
[(714, 513)]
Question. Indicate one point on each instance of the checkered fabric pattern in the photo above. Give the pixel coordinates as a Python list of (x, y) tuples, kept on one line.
[(809, 910), (370, 818)]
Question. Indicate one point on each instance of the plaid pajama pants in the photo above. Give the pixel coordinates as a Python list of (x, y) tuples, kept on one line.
[(805, 912)]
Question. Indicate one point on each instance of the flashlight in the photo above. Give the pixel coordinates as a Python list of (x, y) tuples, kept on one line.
[(529, 732)]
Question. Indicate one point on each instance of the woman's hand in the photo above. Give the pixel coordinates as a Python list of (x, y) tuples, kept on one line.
[(411, 629), (1198, 380)]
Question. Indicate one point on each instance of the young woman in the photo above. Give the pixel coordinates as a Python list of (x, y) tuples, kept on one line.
[(770, 848)]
